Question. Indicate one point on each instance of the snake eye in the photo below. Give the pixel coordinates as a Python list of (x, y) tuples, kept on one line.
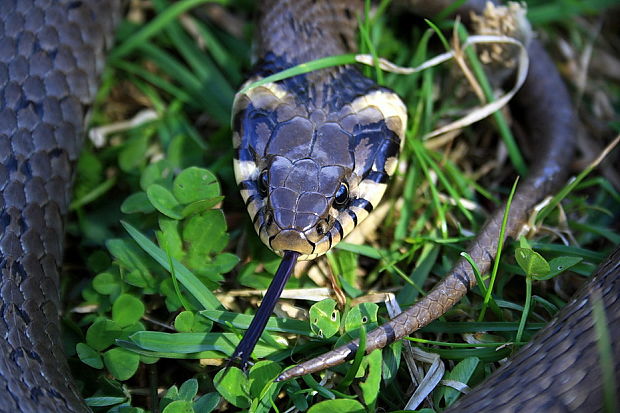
[(342, 196), (263, 183)]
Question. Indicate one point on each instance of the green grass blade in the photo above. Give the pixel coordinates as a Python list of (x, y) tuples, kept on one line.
[(193, 285), (300, 69), (455, 327), (500, 246), (157, 25), (275, 324)]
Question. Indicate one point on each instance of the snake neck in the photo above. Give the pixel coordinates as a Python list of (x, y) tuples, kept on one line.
[(321, 29)]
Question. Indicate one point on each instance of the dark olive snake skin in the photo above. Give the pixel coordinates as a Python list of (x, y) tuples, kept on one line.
[(51, 54)]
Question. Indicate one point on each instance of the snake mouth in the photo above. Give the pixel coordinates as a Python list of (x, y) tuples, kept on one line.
[(291, 240)]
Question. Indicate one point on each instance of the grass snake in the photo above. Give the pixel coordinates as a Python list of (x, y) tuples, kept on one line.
[(51, 56)]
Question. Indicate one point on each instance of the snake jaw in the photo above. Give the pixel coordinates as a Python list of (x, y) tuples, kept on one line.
[(291, 240)]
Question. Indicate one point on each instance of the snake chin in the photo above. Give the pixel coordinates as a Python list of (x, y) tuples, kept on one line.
[(292, 240), (310, 242)]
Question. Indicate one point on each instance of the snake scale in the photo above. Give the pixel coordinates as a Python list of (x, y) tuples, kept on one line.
[(51, 55)]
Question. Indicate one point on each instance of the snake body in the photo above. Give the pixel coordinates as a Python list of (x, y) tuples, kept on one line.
[(550, 118), (51, 54)]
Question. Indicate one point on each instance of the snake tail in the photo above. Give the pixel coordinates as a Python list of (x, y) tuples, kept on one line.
[(562, 368)]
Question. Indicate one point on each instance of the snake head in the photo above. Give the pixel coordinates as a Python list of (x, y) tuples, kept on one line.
[(300, 202), (310, 173)]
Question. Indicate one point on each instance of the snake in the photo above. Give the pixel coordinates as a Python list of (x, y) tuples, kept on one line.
[(316, 162)]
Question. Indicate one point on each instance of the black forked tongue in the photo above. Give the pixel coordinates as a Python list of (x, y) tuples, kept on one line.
[(253, 333)]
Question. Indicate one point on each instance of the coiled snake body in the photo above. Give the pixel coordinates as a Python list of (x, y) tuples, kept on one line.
[(51, 54)]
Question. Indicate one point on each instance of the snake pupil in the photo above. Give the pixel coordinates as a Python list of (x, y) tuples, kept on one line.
[(342, 196), (263, 184)]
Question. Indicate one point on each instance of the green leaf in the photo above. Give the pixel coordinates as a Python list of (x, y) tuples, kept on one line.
[(202, 324), (104, 401), (559, 265), (205, 234), (338, 405), (121, 363), (195, 184), (190, 343), (345, 265), (107, 283), (233, 385), (242, 322), (462, 373), (364, 250), (354, 369), (164, 201), (391, 361), (178, 342), (362, 314), (188, 390), (189, 322), (314, 385), (179, 406), (202, 294), (532, 262), (262, 387), (325, 318), (523, 243), (127, 310), (137, 203), (207, 403), (169, 237), (168, 290), (89, 356), (225, 262), (293, 389), (455, 327), (184, 321), (156, 173), (262, 375), (140, 279), (370, 387), (201, 206), (137, 264), (127, 409), (148, 359), (102, 333), (171, 395)]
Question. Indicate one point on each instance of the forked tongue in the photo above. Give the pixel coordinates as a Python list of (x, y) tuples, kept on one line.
[(253, 333)]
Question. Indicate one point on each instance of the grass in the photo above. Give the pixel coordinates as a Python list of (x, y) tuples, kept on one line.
[(145, 325)]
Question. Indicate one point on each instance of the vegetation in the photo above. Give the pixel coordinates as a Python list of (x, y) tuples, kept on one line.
[(163, 262)]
